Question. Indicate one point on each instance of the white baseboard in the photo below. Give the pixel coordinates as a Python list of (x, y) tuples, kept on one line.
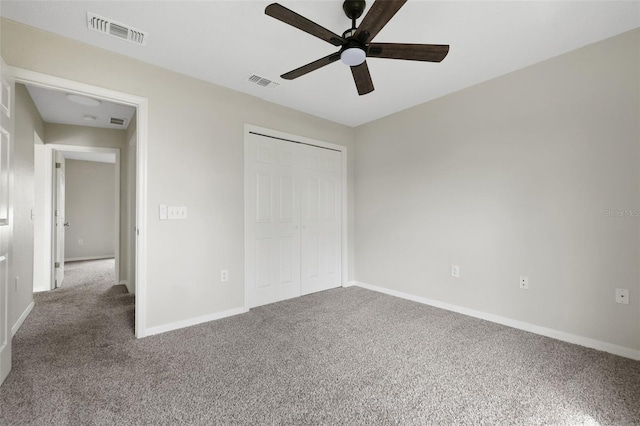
[(349, 284), (23, 317), (532, 328), (193, 321), (78, 259)]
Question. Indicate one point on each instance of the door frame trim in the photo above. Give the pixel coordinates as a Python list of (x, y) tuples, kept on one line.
[(46, 81), (49, 187), (248, 128)]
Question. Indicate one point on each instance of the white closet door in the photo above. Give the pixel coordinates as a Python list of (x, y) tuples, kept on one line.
[(321, 220), (272, 225)]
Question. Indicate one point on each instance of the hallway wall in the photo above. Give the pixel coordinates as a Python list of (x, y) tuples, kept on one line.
[(89, 210), (28, 124)]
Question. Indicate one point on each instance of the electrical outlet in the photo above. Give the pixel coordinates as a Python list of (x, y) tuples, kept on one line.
[(622, 296), (177, 213), (80, 241), (224, 276), (524, 282), (455, 271)]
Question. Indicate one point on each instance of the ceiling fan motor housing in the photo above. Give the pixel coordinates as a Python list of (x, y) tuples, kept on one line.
[(354, 8)]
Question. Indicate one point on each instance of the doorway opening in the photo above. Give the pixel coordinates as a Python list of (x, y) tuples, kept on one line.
[(129, 245), (87, 224)]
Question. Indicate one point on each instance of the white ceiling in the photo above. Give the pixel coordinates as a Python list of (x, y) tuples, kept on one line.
[(226, 41), (54, 107)]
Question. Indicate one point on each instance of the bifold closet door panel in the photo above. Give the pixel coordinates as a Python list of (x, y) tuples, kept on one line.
[(273, 204), (321, 220)]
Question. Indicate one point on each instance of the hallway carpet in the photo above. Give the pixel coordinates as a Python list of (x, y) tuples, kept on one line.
[(101, 271), (344, 356)]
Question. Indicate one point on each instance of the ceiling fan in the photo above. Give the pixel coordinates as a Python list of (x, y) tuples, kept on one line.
[(355, 43)]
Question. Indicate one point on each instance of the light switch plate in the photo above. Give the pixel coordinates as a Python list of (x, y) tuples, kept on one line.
[(177, 213), (162, 211)]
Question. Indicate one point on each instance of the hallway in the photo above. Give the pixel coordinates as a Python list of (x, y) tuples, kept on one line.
[(94, 272), (72, 332)]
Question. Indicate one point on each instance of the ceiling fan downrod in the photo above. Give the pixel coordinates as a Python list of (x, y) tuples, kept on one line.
[(353, 9)]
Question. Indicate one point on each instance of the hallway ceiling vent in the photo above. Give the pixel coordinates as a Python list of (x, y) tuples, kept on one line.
[(116, 29), (117, 121), (261, 81)]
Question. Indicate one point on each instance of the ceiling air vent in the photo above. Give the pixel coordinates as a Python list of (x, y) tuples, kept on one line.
[(261, 81), (117, 121), (116, 29)]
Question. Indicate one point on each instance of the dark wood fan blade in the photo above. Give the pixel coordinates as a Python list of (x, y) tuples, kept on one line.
[(287, 16), (305, 69), (409, 52), (377, 17), (362, 78)]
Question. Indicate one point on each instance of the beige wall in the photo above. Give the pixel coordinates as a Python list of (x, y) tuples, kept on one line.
[(514, 177), (27, 122), (195, 159), (90, 209)]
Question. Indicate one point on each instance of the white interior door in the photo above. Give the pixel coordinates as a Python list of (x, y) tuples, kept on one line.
[(321, 252), (273, 220), (7, 118), (59, 219), (292, 219)]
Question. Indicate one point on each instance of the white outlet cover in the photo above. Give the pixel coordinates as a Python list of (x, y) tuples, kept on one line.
[(524, 282), (455, 271), (622, 296)]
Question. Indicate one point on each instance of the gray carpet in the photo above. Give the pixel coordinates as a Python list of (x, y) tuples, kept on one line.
[(89, 272), (344, 356)]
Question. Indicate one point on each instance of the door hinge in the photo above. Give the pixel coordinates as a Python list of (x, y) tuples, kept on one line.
[(57, 264), (58, 165), (56, 213)]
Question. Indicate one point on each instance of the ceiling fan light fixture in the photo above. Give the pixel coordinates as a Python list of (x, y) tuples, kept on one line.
[(353, 56), (83, 100)]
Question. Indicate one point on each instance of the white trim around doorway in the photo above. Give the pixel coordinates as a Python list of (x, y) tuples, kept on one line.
[(33, 78), (53, 148)]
